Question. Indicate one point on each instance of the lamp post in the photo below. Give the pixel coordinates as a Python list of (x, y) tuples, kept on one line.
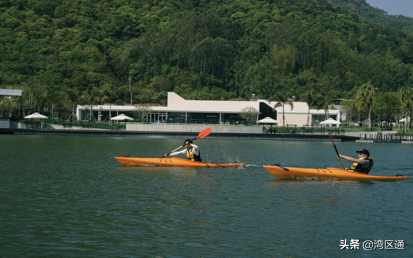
[(130, 80)]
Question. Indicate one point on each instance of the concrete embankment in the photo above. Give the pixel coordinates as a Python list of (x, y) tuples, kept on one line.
[(189, 130), (193, 128), (175, 130)]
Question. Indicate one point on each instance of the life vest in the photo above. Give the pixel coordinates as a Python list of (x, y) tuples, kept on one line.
[(356, 167), (191, 155)]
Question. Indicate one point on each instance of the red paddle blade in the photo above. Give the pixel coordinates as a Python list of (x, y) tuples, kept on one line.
[(204, 133)]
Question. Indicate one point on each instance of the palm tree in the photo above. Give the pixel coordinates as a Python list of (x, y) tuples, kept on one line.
[(88, 99), (326, 100), (282, 101), (364, 96), (110, 94), (53, 95), (406, 96), (312, 99), (73, 96), (327, 93)]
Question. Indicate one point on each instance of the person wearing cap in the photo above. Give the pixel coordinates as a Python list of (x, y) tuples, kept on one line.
[(191, 151), (363, 164)]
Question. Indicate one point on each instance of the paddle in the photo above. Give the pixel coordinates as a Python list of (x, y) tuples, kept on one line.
[(201, 135), (338, 155)]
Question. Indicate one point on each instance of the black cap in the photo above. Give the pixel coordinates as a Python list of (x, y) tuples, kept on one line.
[(364, 151)]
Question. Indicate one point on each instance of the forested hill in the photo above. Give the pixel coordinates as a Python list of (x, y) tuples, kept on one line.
[(375, 15), (86, 51)]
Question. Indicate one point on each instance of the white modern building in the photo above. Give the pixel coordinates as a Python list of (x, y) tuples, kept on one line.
[(180, 110)]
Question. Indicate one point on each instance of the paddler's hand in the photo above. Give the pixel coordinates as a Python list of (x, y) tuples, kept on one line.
[(166, 155)]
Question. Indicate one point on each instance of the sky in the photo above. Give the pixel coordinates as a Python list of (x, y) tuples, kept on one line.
[(394, 7)]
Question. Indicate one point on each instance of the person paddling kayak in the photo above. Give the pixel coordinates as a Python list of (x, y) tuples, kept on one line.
[(191, 151), (363, 164)]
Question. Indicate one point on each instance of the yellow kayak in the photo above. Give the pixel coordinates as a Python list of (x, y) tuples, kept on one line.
[(336, 173), (175, 162)]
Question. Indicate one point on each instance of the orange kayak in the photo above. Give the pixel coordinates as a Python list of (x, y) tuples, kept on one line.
[(175, 162), (336, 173)]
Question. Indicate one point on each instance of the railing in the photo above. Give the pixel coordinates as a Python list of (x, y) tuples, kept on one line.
[(203, 121), (267, 129), (386, 137), (293, 129)]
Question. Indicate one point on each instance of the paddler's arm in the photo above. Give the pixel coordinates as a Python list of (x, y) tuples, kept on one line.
[(183, 152), (359, 161), (196, 149)]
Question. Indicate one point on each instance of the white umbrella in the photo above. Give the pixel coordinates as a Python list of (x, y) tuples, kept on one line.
[(330, 121), (35, 115), (268, 120), (121, 117)]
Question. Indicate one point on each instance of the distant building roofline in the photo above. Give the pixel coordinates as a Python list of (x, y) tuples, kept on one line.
[(6, 92)]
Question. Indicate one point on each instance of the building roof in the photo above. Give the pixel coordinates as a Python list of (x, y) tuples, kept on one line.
[(176, 101), (200, 109), (6, 92)]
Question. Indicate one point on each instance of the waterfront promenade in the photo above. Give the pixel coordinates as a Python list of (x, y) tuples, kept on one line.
[(217, 130), (137, 129)]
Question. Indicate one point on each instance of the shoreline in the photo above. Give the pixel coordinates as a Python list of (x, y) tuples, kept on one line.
[(217, 131), (130, 133)]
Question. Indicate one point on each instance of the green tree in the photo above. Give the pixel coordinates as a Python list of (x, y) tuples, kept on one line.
[(89, 99), (312, 99), (386, 105), (194, 47), (328, 93), (406, 96), (110, 94), (282, 100), (73, 97), (8, 105), (348, 107), (326, 98), (142, 111), (364, 98), (249, 114), (284, 58), (54, 97)]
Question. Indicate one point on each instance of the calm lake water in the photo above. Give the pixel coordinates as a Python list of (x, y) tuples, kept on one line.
[(66, 196)]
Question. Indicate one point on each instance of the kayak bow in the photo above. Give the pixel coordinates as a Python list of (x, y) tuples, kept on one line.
[(175, 162), (335, 173)]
